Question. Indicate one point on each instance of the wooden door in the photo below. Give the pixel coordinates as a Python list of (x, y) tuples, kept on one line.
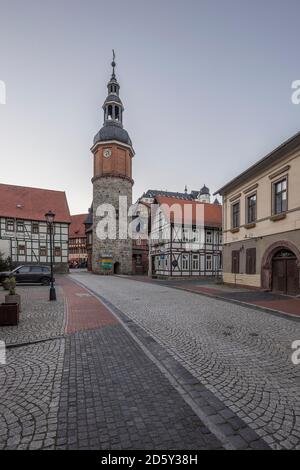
[(279, 276), (285, 276), (292, 278)]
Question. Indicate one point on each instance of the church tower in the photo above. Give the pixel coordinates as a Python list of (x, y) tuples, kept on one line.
[(113, 153)]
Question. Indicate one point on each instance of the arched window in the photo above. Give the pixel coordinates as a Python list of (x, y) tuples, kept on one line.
[(117, 113), (109, 112), (284, 253)]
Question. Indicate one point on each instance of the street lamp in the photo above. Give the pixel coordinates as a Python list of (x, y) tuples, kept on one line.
[(50, 216)]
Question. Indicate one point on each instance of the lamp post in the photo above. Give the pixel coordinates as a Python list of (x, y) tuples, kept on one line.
[(50, 216)]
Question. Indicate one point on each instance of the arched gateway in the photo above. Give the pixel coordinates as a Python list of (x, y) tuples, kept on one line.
[(281, 268)]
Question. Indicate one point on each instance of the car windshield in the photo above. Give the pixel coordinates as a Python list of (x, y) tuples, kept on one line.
[(16, 269)]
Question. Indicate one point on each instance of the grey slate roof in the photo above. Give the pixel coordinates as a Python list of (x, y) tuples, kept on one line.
[(111, 131), (151, 193), (89, 219), (204, 190), (113, 97)]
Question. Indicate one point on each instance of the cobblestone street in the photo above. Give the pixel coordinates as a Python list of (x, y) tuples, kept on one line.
[(241, 355), (134, 365)]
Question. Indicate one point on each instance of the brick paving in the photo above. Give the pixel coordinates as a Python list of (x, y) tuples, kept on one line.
[(29, 396), (92, 389), (143, 366), (83, 311), (241, 355), (39, 318), (114, 397)]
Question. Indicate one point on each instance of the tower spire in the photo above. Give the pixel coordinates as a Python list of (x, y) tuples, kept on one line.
[(113, 64), (113, 108)]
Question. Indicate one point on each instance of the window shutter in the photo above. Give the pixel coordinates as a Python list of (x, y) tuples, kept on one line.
[(251, 261), (235, 263)]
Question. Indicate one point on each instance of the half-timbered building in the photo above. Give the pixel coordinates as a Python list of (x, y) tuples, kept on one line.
[(186, 238), (24, 236), (140, 238), (78, 241)]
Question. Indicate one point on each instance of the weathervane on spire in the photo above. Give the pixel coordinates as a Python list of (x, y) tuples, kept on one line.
[(113, 64)]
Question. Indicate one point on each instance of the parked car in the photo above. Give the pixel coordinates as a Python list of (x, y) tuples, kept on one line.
[(29, 274)]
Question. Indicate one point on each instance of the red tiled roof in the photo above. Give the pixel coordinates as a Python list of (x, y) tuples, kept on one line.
[(77, 227), (212, 212), (33, 203)]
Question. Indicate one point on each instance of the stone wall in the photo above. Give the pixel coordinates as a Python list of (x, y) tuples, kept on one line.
[(107, 190)]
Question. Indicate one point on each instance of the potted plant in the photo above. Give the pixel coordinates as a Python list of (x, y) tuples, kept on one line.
[(9, 314), (12, 297)]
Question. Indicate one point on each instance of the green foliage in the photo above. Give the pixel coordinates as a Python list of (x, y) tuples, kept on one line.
[(10, 285), (4, 263)]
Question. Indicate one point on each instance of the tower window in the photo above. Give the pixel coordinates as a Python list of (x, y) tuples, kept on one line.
[(117, 114), (109, 112)]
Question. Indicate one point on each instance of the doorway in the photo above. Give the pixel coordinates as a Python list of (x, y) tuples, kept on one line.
[(117, 267), (285, 273)]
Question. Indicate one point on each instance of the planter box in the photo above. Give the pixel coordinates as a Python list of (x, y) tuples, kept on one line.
[(9, 314), (13, 299)]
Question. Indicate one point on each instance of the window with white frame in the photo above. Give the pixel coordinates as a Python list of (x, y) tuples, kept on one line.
[(186, 235), (209, 237), (196, 236), (209, 263), (195, 262), (21, 250), (20, 226), (185, 262), (10, 225)]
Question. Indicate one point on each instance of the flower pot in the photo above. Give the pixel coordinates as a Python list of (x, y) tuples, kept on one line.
[(13, 299), (9, 314)]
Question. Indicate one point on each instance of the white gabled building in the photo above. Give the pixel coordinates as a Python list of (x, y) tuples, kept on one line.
[(23, 230)]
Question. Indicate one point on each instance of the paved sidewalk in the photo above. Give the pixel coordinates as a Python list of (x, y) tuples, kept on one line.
[(39, 319), (278, 303), (268, 300)]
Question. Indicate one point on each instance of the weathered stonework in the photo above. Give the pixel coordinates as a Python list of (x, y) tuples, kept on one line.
[(107, 190)]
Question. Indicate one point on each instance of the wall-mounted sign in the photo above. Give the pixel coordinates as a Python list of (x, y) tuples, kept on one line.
[(105, 263)]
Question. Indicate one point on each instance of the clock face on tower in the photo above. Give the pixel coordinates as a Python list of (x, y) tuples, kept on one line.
[(106, 153)]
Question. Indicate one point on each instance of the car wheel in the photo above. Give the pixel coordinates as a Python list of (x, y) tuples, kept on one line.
[(45, 281)]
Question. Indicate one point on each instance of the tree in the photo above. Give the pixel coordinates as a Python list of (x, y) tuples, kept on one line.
[(4, 263)]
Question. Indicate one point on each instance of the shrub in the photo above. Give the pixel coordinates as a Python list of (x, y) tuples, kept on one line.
[(10, 285), (4, 263)]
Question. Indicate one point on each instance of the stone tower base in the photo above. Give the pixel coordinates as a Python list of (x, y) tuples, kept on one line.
[(117, 253)]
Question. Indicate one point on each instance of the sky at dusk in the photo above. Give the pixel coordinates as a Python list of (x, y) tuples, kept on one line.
[(206, 87)]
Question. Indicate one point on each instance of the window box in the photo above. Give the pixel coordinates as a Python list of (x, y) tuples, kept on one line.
[(249, 226), (235, 230)]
